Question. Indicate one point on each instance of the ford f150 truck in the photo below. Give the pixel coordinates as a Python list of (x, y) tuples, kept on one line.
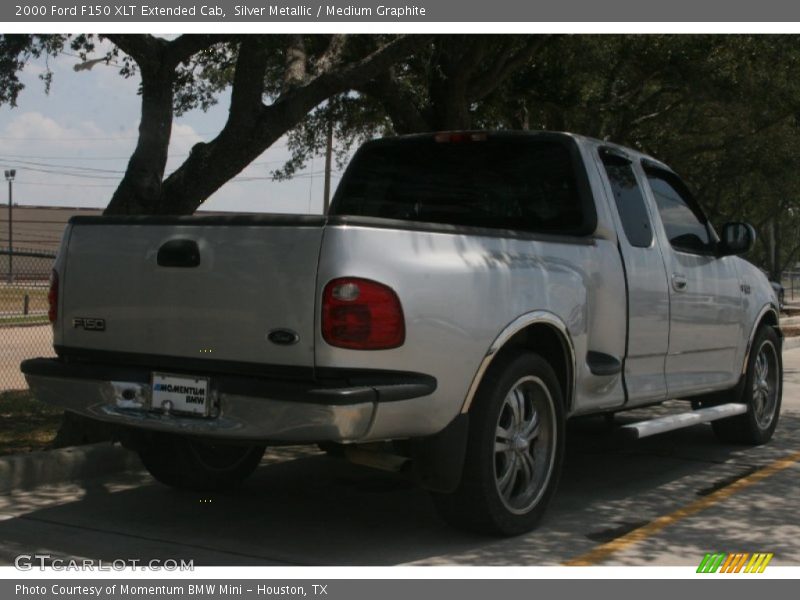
[(466, 294)]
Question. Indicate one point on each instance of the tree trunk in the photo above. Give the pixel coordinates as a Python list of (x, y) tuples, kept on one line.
[(253, 127), (211, 165), (140, 189), (139, 192), (449, 100)]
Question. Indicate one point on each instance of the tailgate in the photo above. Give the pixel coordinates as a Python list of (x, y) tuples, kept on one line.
[(192, 287)]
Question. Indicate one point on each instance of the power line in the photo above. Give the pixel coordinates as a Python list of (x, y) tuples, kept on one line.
[(67, 173), (41, 164), (78, 185), (10, 159), (18, 157), (74, 157), (244, 178), (111, 185), (95, 139)]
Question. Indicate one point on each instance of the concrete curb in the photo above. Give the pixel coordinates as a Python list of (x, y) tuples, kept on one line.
[(25, 471)]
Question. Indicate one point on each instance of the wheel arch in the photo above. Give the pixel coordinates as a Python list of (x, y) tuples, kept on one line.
[(539, 331), (768, 315)]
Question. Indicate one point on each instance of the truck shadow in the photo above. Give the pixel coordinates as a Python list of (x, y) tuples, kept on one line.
[(302, 507)]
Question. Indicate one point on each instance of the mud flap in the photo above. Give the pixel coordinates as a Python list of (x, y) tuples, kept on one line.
[(438, 460)]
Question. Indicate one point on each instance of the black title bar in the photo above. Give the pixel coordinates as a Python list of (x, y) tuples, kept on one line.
[(409, 11)]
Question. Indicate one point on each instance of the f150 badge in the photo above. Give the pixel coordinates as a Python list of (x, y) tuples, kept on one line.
[(89, 324)]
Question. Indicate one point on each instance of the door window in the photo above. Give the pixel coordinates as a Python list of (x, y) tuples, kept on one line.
[(684, 223)]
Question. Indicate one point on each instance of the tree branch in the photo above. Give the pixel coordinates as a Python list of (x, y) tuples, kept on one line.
[(397, 101), (333, 53), (503, 67), (295, 71), (247, 91), (185, 46), (235, 147), (141, 48), (141, 186)]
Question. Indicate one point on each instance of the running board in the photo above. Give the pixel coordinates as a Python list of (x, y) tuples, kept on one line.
[(644, 429)]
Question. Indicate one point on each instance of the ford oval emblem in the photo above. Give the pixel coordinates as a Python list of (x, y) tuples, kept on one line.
[(283, 337)]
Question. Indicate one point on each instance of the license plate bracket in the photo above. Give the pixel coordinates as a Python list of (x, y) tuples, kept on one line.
[(180, 394)]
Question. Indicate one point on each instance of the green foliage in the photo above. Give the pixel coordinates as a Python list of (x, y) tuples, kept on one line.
[(198, 82), (722, 110), (26, 424)]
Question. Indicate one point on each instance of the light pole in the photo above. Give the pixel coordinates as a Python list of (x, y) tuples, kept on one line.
[(10, 174)]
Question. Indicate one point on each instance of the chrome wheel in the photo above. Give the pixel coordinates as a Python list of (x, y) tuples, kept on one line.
[(525, 442), (765, 384), (515, 449)]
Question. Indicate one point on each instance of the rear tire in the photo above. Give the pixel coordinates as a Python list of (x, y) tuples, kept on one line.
[(189, 464), (515, 450), (763, 388)]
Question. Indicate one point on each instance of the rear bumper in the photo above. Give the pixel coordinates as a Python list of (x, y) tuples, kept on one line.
[(246, 408)]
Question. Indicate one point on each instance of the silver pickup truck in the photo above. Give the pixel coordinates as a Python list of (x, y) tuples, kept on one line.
[(467, 294)]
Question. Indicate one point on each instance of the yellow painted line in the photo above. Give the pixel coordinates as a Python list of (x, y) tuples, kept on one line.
[(603, 551)]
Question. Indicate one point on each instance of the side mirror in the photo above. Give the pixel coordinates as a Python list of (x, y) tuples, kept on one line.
[(737, 238)]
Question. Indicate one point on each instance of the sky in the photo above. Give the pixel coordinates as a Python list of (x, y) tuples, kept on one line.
[(70, 147)]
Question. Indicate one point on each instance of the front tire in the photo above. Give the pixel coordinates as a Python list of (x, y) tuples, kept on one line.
[(189, 464), (763, 389), (515, 450)]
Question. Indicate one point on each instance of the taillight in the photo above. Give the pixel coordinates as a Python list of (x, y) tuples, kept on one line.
[(458, 137), (52, 297), (362, 315)]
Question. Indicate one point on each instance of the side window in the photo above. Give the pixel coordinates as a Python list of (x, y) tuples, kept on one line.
[(685, 227), (630, 201)]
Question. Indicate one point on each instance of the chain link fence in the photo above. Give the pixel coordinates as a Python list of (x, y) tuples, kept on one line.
[(24, 328), (790, 280)]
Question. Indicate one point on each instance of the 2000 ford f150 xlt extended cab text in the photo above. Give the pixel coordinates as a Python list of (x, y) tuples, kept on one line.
[(467, 293)]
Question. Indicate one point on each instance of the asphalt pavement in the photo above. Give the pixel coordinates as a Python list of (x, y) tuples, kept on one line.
[(665, 500)]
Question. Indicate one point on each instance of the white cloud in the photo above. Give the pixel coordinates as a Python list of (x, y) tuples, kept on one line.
[(90, 121), (30, 126)]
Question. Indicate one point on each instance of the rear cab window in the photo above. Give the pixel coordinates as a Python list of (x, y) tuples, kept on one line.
[(530, 183), (628, 199)]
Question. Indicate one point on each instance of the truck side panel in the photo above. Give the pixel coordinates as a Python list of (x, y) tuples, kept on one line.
[(459, 291)]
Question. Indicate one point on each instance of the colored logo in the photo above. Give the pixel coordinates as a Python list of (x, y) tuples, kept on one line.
[(741, 562)]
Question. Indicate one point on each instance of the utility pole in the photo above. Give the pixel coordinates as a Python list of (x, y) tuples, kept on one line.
[(326, 198), (10, 174)]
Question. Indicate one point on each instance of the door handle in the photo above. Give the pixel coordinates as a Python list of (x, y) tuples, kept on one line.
[(679, 283), (179, 253)]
